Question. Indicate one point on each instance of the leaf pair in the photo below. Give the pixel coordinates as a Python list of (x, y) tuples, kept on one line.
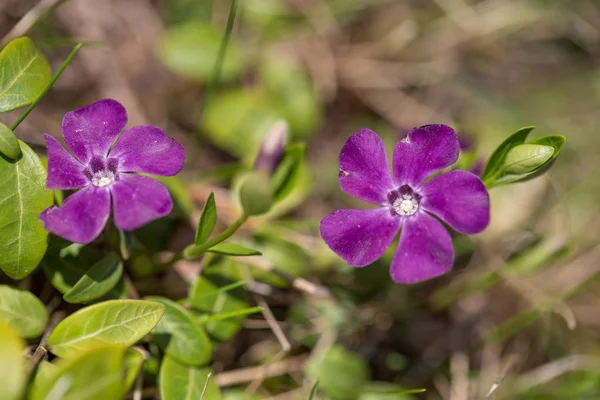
[(206, 225), (516, 161)]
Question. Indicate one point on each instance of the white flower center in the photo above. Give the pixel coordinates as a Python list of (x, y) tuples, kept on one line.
[(406, 205), (103, 178)]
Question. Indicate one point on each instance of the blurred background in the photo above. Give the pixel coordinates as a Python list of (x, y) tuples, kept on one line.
[(517, 318)]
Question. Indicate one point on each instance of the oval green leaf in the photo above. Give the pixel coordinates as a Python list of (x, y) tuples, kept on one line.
[(218, 290), (97, 281), (208, 219), (25, 311), (94, 374), (23, 197), (120, 322), (230, 249), (179, 336), (494, 165), (24, 72), (527, 158), (9, 144), (12, 367), (178, 381), (191, 49), (341, 374)]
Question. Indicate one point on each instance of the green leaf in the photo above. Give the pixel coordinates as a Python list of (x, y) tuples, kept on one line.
[(230, 249), (120, 322), (65, 265), (219, 291), (23, 197), (12, 367), (97, 281), (526, 158), (341, 374), (494, 165), (190, 50), (287, 172), (184, 382), (179, 336), (256, 196), (132, 364), (9, 144), (22, 309), (290, 93), (231, 115), (208, 219), (313, 391), (24, 72), (93, 374)]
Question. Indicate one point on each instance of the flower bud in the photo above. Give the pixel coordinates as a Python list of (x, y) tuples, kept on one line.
[(526, 158), (272, 148), (256, 195)]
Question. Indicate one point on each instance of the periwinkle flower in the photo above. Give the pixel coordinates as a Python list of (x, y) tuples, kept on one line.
[(272, 148), (407, 201), (103, 170)]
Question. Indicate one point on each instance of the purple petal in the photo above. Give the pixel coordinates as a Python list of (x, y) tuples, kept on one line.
[(424, 252), (364, 169), (91, 130), (425, 150), (139, 200), (147, 149), (81, 217), (460, 199), (64, 171), (359, 236)]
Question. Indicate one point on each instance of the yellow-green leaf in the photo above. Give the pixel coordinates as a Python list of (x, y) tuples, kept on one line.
[(94, 374), (97, 281), (9, 144), (25, 311), (24, 72), (12, 366), (120, 322), (22, 198)]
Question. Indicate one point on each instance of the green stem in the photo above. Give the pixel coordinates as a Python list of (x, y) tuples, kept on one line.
[(195, 251), (224, 43), (49, 85)]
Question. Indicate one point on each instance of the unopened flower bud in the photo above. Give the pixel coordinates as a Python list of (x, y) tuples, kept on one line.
[(256, 195), (272, 148)]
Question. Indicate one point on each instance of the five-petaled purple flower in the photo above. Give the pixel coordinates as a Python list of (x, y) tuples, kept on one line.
[(103, 170), (458, 198)]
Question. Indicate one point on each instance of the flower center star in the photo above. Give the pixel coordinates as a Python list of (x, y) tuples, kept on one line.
[(404, 201), (103, 178)]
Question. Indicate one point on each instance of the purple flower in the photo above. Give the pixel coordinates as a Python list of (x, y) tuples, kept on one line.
[(103, 170), (458, 198)]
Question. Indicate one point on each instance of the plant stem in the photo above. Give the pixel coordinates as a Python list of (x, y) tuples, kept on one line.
[(195, 251), (224, 43), (48, 86)]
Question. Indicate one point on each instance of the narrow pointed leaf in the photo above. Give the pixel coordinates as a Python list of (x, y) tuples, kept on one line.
[(97, 281), (23, 310), (178, 381), (93, 374), (9, 144), (12, 366), (24, 72), (179, 336), (231, 249), (23, 197), (287, 172), (208, 219), (120, 322)]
